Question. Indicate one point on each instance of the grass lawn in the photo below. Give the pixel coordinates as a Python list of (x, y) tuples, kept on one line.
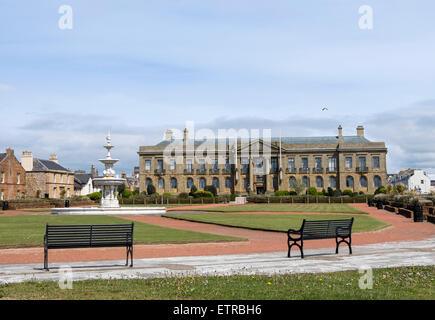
[(29, 230), (285, 207), (392, 283), (281, 222)]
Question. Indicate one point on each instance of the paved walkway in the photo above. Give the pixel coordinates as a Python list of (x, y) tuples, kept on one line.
[(392, 254), (401, 229)]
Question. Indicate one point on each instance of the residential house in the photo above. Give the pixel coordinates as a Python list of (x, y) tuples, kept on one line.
[(12, 177)]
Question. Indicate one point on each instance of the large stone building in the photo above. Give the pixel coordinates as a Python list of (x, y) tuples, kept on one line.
[(339, 162), (47, 178), (12, 177)]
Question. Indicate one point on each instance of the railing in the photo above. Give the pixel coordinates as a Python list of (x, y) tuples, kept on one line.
[(317, 170), (331, 170), (201, 171), (290, 170), (188, 171), (304, 170), (159, 171), (214, 171), (362, 169)]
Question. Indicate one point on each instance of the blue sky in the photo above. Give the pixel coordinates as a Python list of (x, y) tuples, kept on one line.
[(139, 67)]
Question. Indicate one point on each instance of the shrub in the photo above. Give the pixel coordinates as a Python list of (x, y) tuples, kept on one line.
[(126, 193), (151, 189), (400, 188), (330, 192), (183, 195), (337, 193), (348, 192), (312, 191), (203, 194), (167, 194), (94, 196), (211, 189), (292, 193), (233, 197), (136, 192), (280, 193), (382, 189)]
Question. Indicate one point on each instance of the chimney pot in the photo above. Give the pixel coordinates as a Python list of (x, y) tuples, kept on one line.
[(360, 131), (340, 131)]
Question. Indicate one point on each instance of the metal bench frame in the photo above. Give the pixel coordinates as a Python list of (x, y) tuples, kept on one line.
[(88, 236), (321, 229)]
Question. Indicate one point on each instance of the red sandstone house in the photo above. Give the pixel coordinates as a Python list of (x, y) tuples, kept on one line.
[(12, 177)]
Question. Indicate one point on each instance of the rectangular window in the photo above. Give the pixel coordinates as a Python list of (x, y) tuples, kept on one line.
[(245, 183), (304, 163), (227, 165), (147, 165), (332, 163), (2, 195), (245, 165), (3, 177), (274, 163), (291, 163), (202, 165), (318, 163), (172, 164), (348, 162), (54, 179), (160, 165), (362, 162), (376, 162), (18, 178), (189, 165)]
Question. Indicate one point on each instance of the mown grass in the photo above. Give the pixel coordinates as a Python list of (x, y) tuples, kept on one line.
[(285, 207), (275, 222), (390, 283), (29, 230)]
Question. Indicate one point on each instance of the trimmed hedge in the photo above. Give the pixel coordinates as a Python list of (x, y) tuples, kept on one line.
[(306, 199), (406, 213)]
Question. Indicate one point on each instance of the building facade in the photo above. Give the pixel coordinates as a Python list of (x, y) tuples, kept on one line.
[(413, 179), (340, 162), (12, 177), (47, 178)]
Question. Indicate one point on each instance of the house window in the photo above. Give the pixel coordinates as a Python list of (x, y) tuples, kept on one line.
[(275, 183), (3, 177), (18, 178), (227, 165), (54, 193), (173, 183), (348, 162), (189, 165), (274, 163), (2, 195), (160, 165), (362, 162), (215, 165), (363, 182), (189, 183), (291, 182), (202, 165), (148, 165), (332, 182), (215, 182), (318, 163), (332, 166), (304, 163), (202, 183), (228, 183), (375, 162), (172, 164), (54, 180), (306, 182), (349, 182), (245, 183), (377, 181), (319, 182), (291, 163), (18, 195), (148, 181), (161, 183)]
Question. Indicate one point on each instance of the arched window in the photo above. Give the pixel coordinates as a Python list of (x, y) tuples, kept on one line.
[(291, 182), (363, 182), (202, 183), (173, 183), (189, 183), (349, 181), (377, 182), (332, 182), (306, 182), (319, 182), (161, 183), (148, 181), (228, 183), (215, 182)]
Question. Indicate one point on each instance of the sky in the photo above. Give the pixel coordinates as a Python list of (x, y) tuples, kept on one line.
[(137, 68)]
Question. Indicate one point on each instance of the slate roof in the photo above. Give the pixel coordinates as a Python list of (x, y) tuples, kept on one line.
[(2, 156), (46, 165), (284, 140), (82, 178)]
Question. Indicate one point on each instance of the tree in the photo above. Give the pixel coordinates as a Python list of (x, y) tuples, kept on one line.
[(299, 186), (211, 189), (126, 193), (151, 189), (400, 188), (193, 189), (121, 188), (312, 191)]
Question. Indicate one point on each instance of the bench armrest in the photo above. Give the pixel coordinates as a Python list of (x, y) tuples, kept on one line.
[(295, 232)]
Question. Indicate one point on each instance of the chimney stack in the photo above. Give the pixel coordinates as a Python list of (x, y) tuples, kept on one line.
[(168, 135), (10, 151), (340, 131), (360, 131), (27, 160), (53, 157), (92, 171)]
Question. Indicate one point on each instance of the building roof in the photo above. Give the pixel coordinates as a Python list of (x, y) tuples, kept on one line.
[(2, 156), (82, 178), (47, 165)]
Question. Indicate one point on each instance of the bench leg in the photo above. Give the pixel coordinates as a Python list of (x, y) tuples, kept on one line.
[(131, 256), (46, 259), (297, 245), (129, 253), (343, 240)]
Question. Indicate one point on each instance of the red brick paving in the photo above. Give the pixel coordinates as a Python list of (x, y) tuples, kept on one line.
[(259, 241)]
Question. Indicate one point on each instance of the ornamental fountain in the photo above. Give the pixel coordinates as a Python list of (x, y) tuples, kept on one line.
[(109, 204)]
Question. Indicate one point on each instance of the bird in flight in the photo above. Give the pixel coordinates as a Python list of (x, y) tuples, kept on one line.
[(324, 108)]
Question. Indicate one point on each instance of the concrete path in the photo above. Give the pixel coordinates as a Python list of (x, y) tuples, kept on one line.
[(391, 254)]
